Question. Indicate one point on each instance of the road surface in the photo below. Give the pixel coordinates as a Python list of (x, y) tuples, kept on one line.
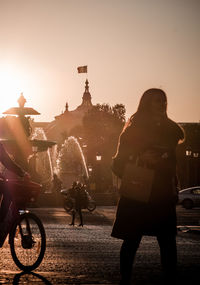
[(89, 255)]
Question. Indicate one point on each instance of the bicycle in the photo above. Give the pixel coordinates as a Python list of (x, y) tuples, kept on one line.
[(26, 232), (68, 202)]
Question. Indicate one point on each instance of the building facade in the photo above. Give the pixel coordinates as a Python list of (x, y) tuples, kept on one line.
[(60, 127)]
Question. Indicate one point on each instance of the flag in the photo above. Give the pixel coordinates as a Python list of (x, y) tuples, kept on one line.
[(82, 69)]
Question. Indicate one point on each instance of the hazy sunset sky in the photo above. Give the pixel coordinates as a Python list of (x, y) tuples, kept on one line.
[(128, 45)]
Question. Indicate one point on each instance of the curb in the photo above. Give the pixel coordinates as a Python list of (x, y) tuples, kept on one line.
[(189, 229)]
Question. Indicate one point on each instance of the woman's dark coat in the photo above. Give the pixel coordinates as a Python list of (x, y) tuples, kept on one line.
[(134, 218)]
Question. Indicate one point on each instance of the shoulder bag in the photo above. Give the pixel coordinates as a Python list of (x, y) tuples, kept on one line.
[(137, 182)]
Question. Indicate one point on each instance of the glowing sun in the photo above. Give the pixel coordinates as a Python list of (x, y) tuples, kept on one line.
[(11, 85)]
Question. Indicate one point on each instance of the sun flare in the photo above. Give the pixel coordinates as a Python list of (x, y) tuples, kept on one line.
[(11, 85)]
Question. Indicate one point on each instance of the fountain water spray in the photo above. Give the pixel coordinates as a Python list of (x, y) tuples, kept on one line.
[(44, 165), (71, 164)]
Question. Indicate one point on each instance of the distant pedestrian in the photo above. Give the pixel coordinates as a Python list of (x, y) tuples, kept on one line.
[(56, 187), (72, 196), (56, 183), (152, 137), (78, 195), (79, 202)]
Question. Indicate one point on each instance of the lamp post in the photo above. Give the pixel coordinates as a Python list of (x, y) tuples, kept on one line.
[(98, 157), (188, 154), (196, 167), (32, 161), (34, 149), (90, 170), (192, 160), (98, 170)]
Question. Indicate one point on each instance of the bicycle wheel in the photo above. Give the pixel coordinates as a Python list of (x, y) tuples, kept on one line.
[(91, 206), (27, 242)]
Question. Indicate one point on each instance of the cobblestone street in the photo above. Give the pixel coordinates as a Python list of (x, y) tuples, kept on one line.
[(88, 255)]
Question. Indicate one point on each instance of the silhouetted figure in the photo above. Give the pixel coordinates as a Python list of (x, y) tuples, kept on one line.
[(56, 187), (4, 194), (78, 195), (56, 183), (153, 136), (79, 201), (72, 197)]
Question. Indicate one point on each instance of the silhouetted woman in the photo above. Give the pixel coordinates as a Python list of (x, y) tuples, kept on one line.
[(151, 135)]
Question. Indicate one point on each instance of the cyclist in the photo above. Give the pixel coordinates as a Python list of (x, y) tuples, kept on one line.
[(4, 194)]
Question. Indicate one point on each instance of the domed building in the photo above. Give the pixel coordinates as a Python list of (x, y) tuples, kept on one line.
[(60, 128)]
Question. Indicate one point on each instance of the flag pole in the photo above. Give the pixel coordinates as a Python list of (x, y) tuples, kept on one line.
[(83, 69), (86, 75)]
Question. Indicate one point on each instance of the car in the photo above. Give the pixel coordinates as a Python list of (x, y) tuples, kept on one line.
[(189, 197)]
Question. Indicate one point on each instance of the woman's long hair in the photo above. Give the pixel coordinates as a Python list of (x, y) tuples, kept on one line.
[(145, 104), (145, 112), (145, 109)]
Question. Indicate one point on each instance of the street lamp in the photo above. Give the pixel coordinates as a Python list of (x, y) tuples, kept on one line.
[(32, 161), (90, 169), (98, 170), (192, 166), (188, 152), (34, 149), (196, 167), (98, 157), (195, 154)]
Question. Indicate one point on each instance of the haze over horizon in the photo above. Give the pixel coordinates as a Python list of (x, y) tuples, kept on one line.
[(128, 46)]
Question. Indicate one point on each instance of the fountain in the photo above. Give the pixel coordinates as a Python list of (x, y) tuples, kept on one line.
[(15, 135), (43, 160), (40, 157), (71, 163)]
